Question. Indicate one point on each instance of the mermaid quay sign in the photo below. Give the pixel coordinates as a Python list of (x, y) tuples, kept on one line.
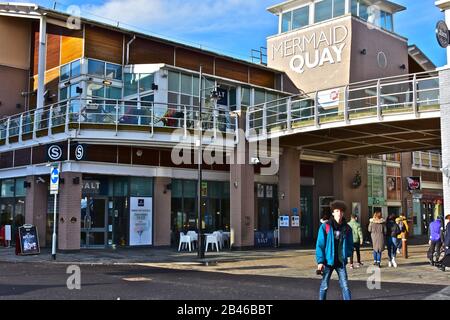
[(312, 50)]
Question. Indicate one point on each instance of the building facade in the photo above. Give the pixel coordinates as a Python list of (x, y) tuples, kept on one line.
[(112, 106)]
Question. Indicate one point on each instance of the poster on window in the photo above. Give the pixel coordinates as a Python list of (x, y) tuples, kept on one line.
[(260, 190), (269, 191), (141, 217)]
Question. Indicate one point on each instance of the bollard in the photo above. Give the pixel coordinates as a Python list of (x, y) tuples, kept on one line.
[(404, 248)]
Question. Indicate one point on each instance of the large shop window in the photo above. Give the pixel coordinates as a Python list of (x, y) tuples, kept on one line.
[(215, 207), (12, 206)]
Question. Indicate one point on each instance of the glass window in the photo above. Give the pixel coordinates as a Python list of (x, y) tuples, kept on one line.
[(121, 187), (363, 11), (75, 69), (245, 96), (300, 17), (7, 188), (196, 84), (286, 24), (260, 97), (323, 10), (95, 90), (355, 7), (65, 72), (145, 82), (388, 22), (113, 71), (20, 190), (174, 81), (190, 188), (131, 84), (113, 93), (73, 90), (96, 68), (63, 93), (177, 189), (141, 187), (338, 8), (186, 84)]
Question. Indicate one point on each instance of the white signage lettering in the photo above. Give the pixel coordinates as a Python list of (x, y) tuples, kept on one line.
[(310, 51)]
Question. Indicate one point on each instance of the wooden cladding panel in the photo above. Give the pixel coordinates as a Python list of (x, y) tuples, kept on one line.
[(51, 77), (39, 154), (262, 78), (104, 44), (124, 155), (6, 160), (22, 157), (100, 153), (53, 51), (35, 48), (192, 60), (147, 51), (71, 45), (231, 70)]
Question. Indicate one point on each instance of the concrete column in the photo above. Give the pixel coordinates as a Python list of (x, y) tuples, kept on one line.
[(289, 191), (42, 62), (444, 82), (36, 207), (162, 213), (69, 222)]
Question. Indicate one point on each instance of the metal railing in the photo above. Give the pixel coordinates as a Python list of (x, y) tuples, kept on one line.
[(428, 160), (114, 115), (413, 93)]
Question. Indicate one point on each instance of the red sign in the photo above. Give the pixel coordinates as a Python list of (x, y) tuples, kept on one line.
[(413, 183)]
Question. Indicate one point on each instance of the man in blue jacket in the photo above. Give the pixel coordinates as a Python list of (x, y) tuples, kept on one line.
[(333, 248)]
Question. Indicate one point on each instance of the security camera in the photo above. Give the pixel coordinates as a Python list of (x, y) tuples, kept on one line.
[(40, 180)]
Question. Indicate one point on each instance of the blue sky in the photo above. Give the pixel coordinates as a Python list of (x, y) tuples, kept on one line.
[(234, 27)]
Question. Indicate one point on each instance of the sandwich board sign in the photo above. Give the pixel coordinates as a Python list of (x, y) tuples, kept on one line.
[(29, 240)]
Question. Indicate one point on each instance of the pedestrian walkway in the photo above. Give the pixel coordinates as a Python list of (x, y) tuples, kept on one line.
[(295, 263)]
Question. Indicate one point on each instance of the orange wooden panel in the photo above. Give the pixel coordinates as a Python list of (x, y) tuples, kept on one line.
[(71, 45), (147, 51), (53, 50), (192, 60), (231, 70), (104, 44), (262, 78)]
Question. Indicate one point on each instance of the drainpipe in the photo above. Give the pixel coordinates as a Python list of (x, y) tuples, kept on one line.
[(128, 48), (42, 62)]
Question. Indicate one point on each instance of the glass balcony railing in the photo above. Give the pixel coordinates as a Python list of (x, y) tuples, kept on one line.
[(379, 98), (114, 115)]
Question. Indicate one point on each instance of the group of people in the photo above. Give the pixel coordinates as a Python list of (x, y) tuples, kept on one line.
[(439, 238), (337, 240), (387, 233)]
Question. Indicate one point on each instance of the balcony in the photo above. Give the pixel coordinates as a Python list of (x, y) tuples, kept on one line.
[(105, 119), (398, 98)]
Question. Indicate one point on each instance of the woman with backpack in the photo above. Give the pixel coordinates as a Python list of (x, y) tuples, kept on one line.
[(377, 229), (393, 230)]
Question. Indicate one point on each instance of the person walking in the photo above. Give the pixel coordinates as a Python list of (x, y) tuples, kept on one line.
[(436, 240), (377, 229), (334, 246), (392, 230), (357, 240), (403, 223), (446, 261)]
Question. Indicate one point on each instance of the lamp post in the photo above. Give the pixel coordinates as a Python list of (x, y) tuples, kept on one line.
[(214, 97)]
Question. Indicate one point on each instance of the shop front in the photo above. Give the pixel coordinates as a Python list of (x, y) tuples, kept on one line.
[(12, 208), (116, 211)]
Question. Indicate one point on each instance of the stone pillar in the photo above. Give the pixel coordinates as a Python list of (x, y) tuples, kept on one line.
[(289, 191), (69, 222), (36, 206), (162, 214), (444, 79)]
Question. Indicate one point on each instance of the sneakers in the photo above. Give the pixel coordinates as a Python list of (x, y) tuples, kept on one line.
[(398, 251), (351, 266), (390, 264), (394, 263), (358, 265)]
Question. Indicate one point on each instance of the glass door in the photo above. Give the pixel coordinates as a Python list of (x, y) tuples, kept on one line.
[(94, 215)]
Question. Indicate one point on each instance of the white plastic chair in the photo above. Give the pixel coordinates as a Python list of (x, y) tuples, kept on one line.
[(220, 238), (184, 240), (194, 237), (213, 240)]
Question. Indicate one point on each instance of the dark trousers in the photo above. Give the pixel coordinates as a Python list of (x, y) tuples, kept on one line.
[(356, 247), (434, 247)]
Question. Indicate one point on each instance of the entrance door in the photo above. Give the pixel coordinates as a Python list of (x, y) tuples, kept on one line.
[(94, 215)]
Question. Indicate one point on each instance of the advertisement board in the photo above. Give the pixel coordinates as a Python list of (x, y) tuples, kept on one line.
[(141, 221)]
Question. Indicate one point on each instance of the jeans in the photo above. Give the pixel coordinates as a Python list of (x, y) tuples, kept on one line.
[(343, 282), (392, 245), (356, 247), (377, 256), (435, 247)]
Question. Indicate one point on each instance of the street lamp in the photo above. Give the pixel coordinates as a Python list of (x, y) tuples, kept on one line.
[(214, 98)]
